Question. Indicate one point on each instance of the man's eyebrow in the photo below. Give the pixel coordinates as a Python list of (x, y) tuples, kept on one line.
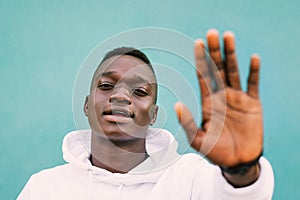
[(141, 79), (106, 73)]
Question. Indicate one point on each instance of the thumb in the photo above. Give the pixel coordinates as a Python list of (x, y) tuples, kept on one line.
[(186, 120)]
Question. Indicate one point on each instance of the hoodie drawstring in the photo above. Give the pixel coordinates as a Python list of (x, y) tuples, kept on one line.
[(119, 191), (90, 184)]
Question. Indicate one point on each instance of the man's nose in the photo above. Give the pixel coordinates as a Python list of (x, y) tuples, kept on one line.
[(120, 95)]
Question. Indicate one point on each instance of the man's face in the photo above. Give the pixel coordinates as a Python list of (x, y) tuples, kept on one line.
[(121, 102)]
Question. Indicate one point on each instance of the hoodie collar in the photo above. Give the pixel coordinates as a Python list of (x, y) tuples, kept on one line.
[(160, 145)]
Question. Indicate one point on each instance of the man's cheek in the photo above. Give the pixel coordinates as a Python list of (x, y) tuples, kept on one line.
[(94, 114), (144, 118)]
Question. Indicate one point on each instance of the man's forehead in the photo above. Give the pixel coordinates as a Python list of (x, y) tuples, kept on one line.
[(125, 66), (130, 77)]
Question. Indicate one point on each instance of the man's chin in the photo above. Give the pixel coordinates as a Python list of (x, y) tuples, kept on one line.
[(120, 130), (119, 135)]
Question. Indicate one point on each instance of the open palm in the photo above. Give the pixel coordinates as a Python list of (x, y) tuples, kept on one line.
[(232, 127)]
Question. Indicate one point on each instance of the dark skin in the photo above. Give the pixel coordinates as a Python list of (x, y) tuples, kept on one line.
[(236, 135), (120, 108), (231, 131)]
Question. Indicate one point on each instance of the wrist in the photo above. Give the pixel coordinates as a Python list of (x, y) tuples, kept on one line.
[(241, 169), (238, 181), (243, 174)]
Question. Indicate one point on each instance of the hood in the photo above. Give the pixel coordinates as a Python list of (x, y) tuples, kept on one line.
[(160, 145)]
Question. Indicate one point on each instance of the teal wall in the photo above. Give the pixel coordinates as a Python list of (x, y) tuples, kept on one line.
[(42, 46)]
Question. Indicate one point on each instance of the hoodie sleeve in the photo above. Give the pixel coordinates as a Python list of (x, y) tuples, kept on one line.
[(37, 187), (262, 189), (24, 195)]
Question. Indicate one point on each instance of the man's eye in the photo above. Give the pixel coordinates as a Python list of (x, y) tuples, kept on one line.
[(140, 92), (105, 86)]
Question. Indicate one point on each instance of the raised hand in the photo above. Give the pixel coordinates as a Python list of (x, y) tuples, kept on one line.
[(231, 132)]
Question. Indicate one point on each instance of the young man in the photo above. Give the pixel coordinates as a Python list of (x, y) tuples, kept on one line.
[(122, 158)]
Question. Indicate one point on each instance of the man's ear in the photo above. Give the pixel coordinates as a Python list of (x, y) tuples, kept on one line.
[(86, 107), (153, 113)]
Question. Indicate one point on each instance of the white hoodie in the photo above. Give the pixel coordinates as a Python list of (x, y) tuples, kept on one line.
[(163, 175)]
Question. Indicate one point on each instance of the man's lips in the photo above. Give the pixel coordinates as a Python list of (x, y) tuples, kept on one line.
[(119, 112), (120, 115)]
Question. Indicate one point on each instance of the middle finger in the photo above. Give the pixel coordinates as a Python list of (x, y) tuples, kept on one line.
[(215, 54)]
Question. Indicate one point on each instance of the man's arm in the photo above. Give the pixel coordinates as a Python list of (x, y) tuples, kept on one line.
[(231, 133)]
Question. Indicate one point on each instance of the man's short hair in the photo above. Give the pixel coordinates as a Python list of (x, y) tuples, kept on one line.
[(131, 51)]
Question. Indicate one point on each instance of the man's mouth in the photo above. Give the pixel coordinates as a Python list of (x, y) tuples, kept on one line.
[(120, 113), (117, 115)]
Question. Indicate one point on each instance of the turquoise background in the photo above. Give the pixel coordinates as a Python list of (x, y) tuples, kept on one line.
[(43, 43)]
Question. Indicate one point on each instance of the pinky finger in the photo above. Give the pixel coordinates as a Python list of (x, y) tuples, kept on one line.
[(253, 79)]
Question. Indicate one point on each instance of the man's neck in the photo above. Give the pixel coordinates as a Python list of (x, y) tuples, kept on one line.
[(117, 156)]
